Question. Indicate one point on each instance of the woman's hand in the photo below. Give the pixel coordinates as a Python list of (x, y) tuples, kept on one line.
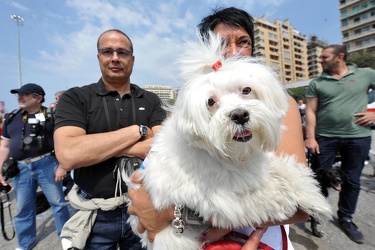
[(254, 239), (215, 234), (149, 219)]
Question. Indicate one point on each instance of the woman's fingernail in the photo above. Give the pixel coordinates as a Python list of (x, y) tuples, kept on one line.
[(260, 231)]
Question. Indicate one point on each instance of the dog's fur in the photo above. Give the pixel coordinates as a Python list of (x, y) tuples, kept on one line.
[(215, 153), (327, 178)]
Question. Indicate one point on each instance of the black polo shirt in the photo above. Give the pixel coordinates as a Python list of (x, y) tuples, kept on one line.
[(83, 107), (19, 128)]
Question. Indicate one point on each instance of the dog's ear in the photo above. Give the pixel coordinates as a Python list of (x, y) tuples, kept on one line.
[(319, 173), (267, 87), (190, 112), (342, 174)]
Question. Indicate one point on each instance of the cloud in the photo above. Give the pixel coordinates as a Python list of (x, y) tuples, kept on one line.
[(158, 29), (75, 53), (19, 6), (155, 31)]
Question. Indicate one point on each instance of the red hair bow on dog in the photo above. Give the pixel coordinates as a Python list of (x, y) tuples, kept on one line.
[(217, 65)]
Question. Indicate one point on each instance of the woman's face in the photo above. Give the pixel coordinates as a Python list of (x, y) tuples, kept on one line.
[(238, 40)]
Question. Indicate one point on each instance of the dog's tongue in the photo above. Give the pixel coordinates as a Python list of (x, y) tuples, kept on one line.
[(337, 187), (242, 136)]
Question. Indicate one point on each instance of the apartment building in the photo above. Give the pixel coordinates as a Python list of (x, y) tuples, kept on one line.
[(164, 92), (358, 24), (314, 49), (283, 48)]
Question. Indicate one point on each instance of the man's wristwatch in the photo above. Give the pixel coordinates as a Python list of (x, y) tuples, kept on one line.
[(143, 131)]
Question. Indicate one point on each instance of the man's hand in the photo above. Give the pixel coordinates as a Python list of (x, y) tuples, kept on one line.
[(60, 174), (149, 219), (312, 145), (2, 181), (365, 119)]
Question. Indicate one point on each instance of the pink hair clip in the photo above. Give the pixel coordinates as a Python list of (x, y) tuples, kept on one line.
[(217, 65)]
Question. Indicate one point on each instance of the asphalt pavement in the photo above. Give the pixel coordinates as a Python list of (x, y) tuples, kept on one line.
[(302, 238), (300, 233)]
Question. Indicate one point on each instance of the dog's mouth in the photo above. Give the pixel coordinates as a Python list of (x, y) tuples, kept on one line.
[(337, 186), (242, 136)]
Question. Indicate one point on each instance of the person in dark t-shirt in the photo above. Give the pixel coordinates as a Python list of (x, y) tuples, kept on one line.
[(96, 125)]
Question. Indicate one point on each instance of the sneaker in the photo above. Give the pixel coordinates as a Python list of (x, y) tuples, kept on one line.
[(351, 230)]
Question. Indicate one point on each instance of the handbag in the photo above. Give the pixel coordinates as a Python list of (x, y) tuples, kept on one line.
[(231, 241), (225, 245), (10, 169), (236, 240)]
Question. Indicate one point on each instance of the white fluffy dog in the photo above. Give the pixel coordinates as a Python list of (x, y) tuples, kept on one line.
[(215, 153)]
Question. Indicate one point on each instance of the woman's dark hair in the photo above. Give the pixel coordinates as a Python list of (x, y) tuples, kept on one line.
[(230, 16)]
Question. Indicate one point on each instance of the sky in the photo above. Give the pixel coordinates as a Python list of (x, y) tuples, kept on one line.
[(58, 38)]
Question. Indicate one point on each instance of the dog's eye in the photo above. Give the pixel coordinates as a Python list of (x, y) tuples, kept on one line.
[(246, 90), (210, 102)]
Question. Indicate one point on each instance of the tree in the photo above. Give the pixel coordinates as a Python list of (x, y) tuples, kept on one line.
[(297, 93), (363, 58)]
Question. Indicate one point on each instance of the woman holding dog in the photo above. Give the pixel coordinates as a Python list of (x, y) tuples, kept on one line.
[(237, 27)]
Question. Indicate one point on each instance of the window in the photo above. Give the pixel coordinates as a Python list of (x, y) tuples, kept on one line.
[(365, 29), (367, 41), (364, 5)]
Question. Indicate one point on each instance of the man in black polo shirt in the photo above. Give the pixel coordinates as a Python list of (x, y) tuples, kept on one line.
[(95, 125), (28, 138)]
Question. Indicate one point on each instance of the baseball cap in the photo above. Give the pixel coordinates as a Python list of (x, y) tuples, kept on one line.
[(29, 89)]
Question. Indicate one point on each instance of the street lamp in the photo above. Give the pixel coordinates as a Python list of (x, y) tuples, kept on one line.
[(19, 21)]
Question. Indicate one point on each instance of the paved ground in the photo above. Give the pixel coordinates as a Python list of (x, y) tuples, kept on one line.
[(300, 234), (334, 238)]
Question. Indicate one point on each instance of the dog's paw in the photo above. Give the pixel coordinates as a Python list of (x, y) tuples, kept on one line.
[(318, 233), (314, 227)]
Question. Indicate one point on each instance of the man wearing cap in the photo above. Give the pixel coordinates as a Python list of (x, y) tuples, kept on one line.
[(28, 138)]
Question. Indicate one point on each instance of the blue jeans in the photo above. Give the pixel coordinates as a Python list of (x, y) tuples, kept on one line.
[(353, 153), (111, 229), (31, 175)]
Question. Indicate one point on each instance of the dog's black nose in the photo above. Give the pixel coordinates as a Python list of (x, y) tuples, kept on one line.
[(239, 116)]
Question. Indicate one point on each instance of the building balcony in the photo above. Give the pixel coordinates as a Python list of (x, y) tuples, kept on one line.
[(356, 12), (354, 48), (370, 32), (344, 4), (353, 24)]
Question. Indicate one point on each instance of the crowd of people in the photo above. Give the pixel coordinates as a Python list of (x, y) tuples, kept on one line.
[(96, 124)]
